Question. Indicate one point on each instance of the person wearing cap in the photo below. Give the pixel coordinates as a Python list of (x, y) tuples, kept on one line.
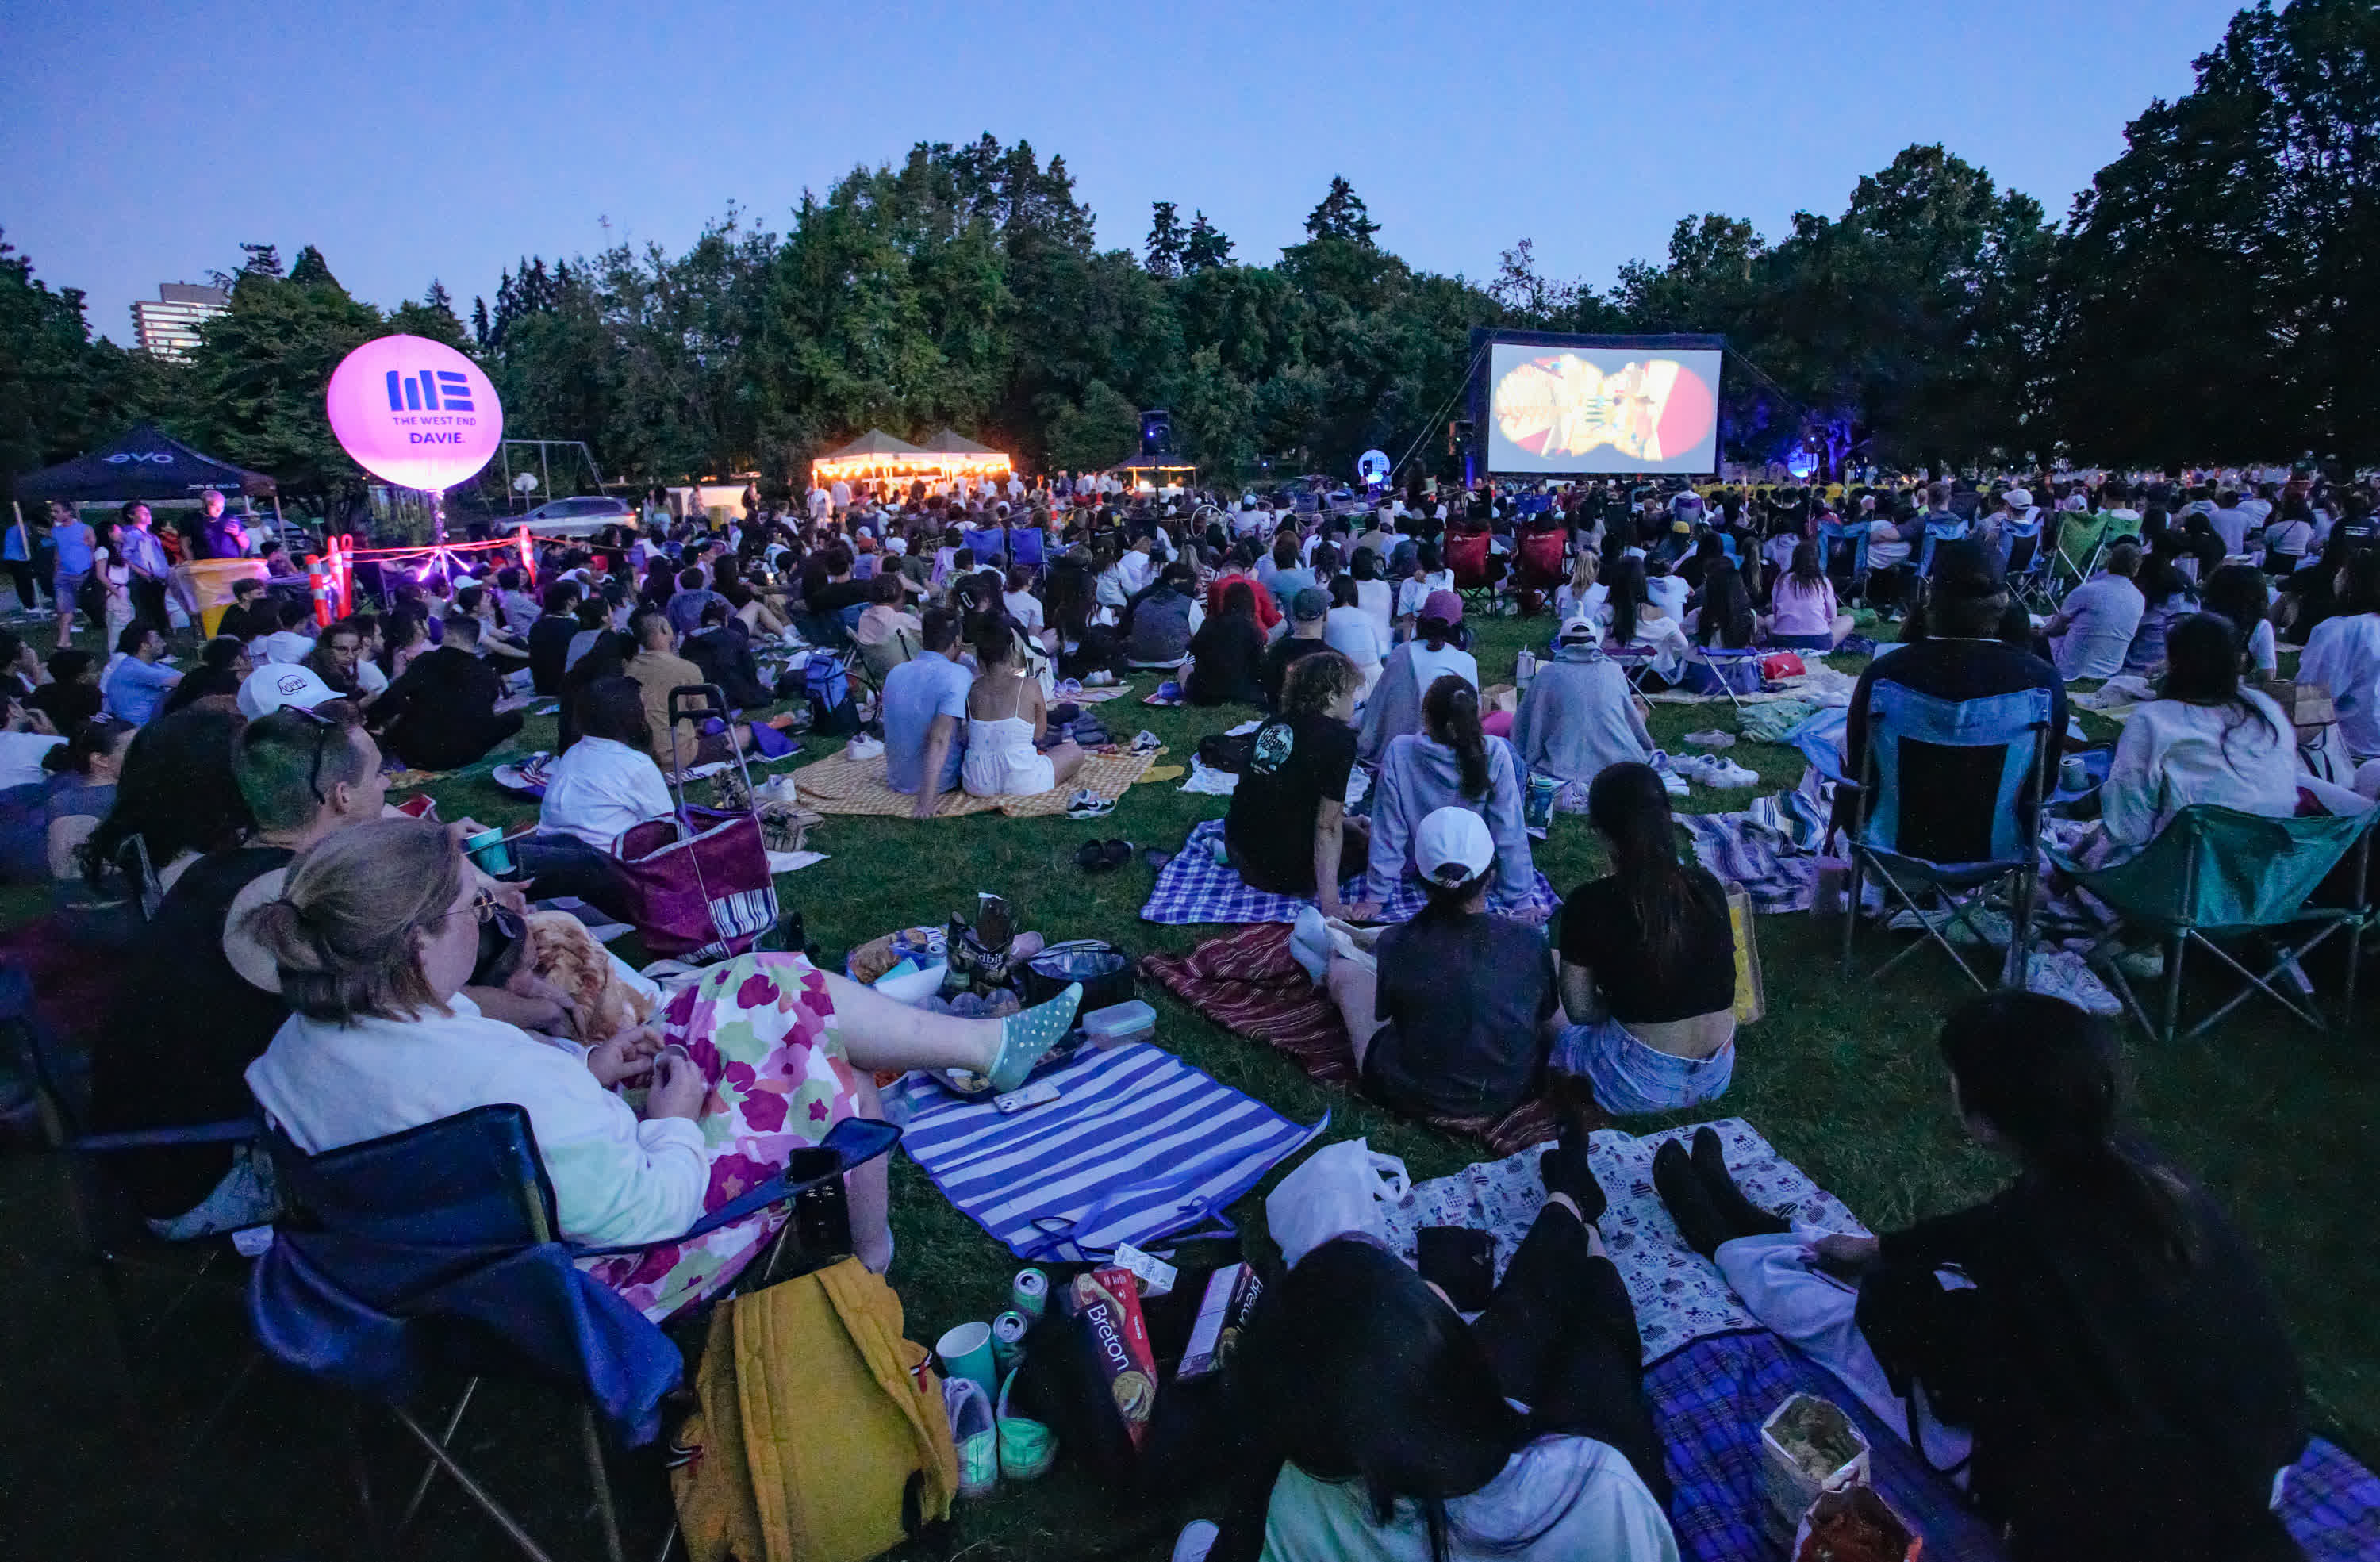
[(1962, 657), (1450, 762), (278, 685), (1309, 613), (1579, 715), (2093, 627), (1647, 960), (1449, 1020)]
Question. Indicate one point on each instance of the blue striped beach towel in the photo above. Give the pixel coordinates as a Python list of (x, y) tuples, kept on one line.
[(1138, 1146)]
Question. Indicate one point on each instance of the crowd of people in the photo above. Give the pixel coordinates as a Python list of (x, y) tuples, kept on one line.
[(2115, 1360)]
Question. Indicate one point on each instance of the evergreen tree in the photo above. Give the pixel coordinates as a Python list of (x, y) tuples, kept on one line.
[(1206, 245), (1341, 215), (1165, 248)]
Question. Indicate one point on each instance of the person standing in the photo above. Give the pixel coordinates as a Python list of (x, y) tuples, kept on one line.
[(73, 542), (221, 535), (17, 554), (145, 554)]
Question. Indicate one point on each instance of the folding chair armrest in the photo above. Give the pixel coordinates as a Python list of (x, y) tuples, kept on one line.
[(236, 1131), (853, 1141)]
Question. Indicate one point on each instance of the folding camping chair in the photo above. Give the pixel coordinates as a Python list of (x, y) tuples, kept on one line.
[(1727, 669), (2215, 873), (1635, 664), (435, 1250), (1934, 533), (2080, 535), (1539, 559), (2027, 567), (1466, 557), (1901, 833), (1843, 548)]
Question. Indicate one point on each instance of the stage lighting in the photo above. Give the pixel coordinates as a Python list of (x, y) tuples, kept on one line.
[(1155, 433)]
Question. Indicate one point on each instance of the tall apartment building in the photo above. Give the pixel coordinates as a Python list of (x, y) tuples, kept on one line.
[(168, 324)]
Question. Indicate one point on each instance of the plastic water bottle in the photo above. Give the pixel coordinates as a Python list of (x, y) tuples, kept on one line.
[(1524, 669)]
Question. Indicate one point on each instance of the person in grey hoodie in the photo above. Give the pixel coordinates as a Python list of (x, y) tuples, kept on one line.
[(1449, 763), (1579, 715)]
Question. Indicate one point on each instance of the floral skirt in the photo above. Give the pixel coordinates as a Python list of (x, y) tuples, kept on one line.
[(761, 1029)]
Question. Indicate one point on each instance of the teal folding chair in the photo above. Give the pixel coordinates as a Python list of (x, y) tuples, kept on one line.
[(2213, 874)]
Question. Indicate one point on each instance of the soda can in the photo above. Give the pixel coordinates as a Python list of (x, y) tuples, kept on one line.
[(1008, 1342), (1030, 1292)]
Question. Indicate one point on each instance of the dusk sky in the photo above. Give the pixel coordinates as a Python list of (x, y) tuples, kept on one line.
[(143, 142)]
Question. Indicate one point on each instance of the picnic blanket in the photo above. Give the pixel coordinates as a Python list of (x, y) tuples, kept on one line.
[(1710, 1398), (1138, 1146), (839, 784), (1770, 849), (1194, 887), (1679, 1296), (1248, 983)]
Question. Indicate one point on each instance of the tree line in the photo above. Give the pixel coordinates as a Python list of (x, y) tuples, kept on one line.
[(2211, 297)]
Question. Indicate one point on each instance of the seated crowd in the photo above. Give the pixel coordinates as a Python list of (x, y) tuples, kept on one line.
[(2110, 1365)]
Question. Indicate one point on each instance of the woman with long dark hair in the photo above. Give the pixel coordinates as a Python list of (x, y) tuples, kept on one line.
[(2243, 597), (1449, 761), (1648, 960), (176, 793), (1804, 615), (2204, 739), (1376, 1426), (2107, 1366), (2169, 598)]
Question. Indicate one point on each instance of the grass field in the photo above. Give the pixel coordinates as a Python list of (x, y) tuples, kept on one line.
[(1841, 1077)]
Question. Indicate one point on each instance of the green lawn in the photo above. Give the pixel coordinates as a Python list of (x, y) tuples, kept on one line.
[(1841, 1077)]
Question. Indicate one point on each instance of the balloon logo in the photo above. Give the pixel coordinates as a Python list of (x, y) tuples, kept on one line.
[(415, 412)]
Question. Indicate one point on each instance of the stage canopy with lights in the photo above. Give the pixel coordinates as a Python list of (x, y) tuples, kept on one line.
[(878, 456)]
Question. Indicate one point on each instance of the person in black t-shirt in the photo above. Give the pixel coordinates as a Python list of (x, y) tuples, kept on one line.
[(1648, 960), (1309, 613), (1451, 1020), (1288, 832)]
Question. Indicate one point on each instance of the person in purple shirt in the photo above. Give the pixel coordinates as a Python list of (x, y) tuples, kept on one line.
[(224, 538)]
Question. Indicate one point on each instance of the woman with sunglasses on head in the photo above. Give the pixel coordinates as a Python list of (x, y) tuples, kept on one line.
[(374, 937)]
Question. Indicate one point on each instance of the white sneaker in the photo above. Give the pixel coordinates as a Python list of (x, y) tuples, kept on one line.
[(1719, 770)]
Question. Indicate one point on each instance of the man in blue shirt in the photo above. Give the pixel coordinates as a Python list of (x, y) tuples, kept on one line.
[(136, 685), (925, 716), (74, 542), (225, 537)]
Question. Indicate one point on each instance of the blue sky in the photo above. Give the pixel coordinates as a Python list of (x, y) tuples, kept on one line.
[(141, 142)]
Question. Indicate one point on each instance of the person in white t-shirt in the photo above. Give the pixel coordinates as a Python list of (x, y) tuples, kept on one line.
[(2204, 739)]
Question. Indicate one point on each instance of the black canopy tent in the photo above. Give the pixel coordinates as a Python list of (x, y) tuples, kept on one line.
[(143, 462)]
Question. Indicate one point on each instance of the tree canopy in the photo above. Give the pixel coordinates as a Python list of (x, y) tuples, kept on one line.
[(2210, 297)]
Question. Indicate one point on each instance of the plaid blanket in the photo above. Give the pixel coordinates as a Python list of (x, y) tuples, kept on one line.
[(1709, 1398), (1194, 887), (1248, 983)]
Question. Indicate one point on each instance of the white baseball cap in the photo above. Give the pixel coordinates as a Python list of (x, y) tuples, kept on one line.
[(1576, 629), (277, 684), (2018, 497), (1454, 847)]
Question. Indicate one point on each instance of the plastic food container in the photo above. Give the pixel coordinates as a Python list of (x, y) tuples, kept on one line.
[(1119, 1023), (1104, 971), (1807, 1446)]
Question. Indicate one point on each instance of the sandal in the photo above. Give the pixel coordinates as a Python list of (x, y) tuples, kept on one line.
[(1118, 854), (1091, 856)]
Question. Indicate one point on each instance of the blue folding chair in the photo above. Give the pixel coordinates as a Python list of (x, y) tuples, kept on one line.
[(988, 543), (1904, 831), (1636, 663), (2028, 562), (435, 1250), (1735, 673), (1935, 533), (1027, 547), (1842, 547)]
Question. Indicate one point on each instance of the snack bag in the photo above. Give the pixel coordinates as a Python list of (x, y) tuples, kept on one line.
[(1108, 1301)]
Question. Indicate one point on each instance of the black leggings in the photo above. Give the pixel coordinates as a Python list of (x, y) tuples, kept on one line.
[(1562, 1337)]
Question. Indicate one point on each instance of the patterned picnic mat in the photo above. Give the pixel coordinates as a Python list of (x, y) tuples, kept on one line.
[(839, 784)]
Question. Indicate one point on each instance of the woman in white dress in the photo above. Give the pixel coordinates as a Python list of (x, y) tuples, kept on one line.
[(1006, 719)]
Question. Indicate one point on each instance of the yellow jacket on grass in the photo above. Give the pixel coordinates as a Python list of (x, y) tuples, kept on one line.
[(817, 1419)]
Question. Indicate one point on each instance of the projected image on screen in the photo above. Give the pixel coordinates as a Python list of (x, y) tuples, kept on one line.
[(1602, 411)]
